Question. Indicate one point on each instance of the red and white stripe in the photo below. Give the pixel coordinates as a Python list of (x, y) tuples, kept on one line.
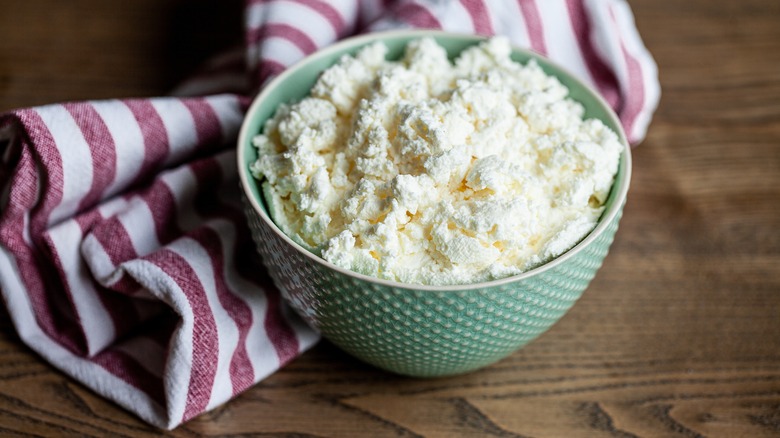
[(164, 235), (480, 15), (639, 78), (281, 32), (125, 260), (533, 27)]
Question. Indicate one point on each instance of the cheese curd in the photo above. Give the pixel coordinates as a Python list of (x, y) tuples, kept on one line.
[(426, 171)]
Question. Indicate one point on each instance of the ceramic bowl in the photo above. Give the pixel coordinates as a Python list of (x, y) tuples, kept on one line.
[(410, 329)]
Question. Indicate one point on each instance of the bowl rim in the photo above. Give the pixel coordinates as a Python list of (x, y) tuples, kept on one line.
[(607, 217)]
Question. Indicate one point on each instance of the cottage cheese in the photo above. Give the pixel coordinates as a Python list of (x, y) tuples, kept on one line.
[(424, 171)]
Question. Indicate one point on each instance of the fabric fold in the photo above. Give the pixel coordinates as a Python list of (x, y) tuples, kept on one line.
[(144, 285)]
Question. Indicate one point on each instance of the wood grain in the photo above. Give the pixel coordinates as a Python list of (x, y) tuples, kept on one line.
[(678, 335)]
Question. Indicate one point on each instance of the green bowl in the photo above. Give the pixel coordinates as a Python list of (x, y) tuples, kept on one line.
[(421, 330)]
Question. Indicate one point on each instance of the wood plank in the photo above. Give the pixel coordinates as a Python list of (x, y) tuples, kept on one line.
[(678, 334)]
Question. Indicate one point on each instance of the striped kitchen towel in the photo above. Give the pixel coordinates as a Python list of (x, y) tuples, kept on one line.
[(124, 258)]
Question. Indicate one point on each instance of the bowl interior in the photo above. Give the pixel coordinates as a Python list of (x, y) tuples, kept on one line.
[(294, 84)]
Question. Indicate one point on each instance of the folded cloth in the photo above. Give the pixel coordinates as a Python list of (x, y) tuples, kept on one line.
[(124, 258)]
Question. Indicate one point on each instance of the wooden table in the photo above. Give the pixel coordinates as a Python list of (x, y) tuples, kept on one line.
[(678, 335)]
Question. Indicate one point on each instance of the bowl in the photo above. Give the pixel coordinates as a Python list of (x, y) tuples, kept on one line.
[(420, 330)]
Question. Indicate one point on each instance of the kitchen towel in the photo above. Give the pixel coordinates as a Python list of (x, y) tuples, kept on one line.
[(125, 260)]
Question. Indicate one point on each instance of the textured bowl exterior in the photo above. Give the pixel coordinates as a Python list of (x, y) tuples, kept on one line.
[(426, 333), (423, 331)]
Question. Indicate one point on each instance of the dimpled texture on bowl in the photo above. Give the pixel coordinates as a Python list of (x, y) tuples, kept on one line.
[(427, 333), (423, 331)]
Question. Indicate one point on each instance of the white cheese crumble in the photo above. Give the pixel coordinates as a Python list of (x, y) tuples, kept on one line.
[(424, 171)]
